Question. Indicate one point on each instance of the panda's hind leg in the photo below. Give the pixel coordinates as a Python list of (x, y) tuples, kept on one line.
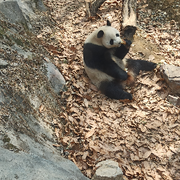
[(135, 66), (114, 90)]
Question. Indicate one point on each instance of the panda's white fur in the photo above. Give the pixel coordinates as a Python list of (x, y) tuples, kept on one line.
[(97, 76), (105, 65), (109, 33)]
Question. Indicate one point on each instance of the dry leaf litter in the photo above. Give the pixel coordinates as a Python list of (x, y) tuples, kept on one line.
[(143, 135)]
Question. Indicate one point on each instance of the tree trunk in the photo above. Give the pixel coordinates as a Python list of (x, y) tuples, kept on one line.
[(92, 7), (129, 15)]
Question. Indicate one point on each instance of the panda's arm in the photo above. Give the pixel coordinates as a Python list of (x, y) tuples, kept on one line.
[(121, 51), (112, 69), (98, 57)]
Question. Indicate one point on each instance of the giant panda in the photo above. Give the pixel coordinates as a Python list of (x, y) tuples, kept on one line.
[(103, 53)]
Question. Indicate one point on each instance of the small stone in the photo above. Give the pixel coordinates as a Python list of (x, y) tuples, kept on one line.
[(14, 64), (55, 77), (108, 170), (2, 98), (3, 63)]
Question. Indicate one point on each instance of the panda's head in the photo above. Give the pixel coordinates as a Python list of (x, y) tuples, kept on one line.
[(110, 37), (106, 36)]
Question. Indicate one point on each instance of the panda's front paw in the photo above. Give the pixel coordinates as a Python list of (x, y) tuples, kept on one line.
[(128, 42), (124, 76)]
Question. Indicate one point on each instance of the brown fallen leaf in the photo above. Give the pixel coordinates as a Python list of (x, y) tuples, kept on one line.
[(88, 173), (85, 154), (154, 125), (58, 133), (146, 165), (144, 152), (86, 102), (134, 157), (56, 145), (93, 87), (142, 128), (90, 133), (41, 108), (65, 140)]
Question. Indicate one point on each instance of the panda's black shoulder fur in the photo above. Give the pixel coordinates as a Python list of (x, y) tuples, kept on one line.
[(94, 55), (99, 57)]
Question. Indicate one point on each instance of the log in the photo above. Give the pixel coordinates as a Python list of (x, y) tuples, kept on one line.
[(129, 16)]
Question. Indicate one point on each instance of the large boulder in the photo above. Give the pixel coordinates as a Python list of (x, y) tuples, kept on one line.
[(30, 106), (27, 118), (171, 74), (10, 10), (20, 11), (45, 164)]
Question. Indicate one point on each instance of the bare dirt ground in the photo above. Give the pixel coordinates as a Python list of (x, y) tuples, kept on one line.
[(143, 135)]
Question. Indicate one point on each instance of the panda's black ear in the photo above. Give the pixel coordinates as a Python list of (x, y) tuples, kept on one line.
[(108, 23), (100, 34)]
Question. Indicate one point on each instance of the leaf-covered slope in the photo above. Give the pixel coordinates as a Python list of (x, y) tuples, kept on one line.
[(141, 135)]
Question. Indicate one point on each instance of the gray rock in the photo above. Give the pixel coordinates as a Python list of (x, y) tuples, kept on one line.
[(3, 63), (20, 51), (11, 11), (108, 170), (174, 100), (29, 107), (55, 77), (171, 74), (39, 5), (24, 166), (2, 99), (20, 11), (26, 142)]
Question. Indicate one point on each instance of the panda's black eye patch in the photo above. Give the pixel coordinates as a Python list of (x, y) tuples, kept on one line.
[(117, 35), (111, 41)]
